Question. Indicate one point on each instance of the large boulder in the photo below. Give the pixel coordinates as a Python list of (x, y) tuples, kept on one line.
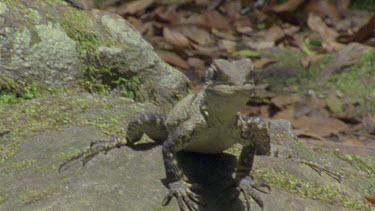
[(50, 45)]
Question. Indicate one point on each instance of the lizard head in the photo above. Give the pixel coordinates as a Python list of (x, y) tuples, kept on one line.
[(225, 78), (229, 86)]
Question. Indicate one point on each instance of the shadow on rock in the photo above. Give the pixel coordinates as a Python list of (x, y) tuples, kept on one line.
[(213, 174)]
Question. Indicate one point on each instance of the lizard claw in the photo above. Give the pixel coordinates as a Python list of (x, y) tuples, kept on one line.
[(187, 199), (95, 148), (247, 185)]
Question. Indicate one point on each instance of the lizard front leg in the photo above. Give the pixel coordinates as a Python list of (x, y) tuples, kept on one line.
[(244, 181), (254, 137), (186, 198)]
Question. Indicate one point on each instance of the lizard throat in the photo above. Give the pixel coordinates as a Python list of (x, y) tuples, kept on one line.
[(224, 101)]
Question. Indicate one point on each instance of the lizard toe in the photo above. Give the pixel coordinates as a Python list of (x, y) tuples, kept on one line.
[(186, 199), (246, 186)]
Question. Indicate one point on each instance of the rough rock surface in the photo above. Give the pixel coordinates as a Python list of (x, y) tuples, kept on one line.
[(48, 44), (42, 132)]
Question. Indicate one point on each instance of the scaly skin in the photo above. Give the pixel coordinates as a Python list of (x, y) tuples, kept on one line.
[(205, 122)]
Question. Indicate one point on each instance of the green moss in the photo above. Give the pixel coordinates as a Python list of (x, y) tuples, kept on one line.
[(99, 79), (16, 165), (335, 104), (13, 4), (308, 78), (11, 92), (356, 82), (287, 61), (104, 79), (8, 84), (130, 87), (3, 197), (7, 97), (81, 27), (38, 195), (292, 184), (363, 5), (362, 163), (68, 154), (27, 119), (95, 80)]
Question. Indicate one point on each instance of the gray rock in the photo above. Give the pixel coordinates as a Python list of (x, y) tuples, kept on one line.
[(51, 45), (44, 131)]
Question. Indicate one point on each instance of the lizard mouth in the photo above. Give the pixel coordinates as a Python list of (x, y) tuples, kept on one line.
[(228, 90)]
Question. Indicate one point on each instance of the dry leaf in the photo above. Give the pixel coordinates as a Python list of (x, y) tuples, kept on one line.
[(302, 133), (208, 19), (243, 26), (324, 9), (175, 38), (323, 128), (287, 113), (372, 200), (368, 124), (273, 34), (350, 55), (145, 29), (197, 34), (260, 16), (244, 29), (260, 63), (232, 9), (363, 33), (228, 35), (205, 51), (227, 45), (159, 42), (133, 7), (353, 141), (315, 23), (264, 111), (337, 125), (311, 106), (169, 16), (343, 4), (290, 29), (173, 59), (214, 19), (201, 2), (331, 46), (282, 101), (259, 45), (197, 64), (348, 114), (286, 6), (307, 60), (250, 110)]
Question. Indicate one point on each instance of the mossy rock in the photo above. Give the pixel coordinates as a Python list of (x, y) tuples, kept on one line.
[(52, 46)]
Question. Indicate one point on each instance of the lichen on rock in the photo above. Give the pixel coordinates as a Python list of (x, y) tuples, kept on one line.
[(53, 46)]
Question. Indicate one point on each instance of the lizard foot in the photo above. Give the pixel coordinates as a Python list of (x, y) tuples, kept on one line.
[(247, 185), (95, 148), (187, 199)]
